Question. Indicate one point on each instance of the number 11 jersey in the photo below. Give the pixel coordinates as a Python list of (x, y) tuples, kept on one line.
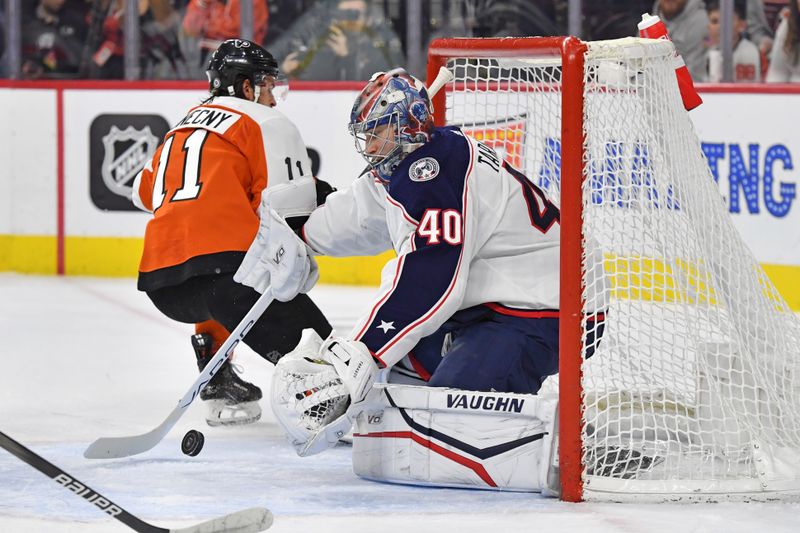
[(204, 184)]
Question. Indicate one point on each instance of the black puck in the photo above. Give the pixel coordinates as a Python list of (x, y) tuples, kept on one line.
[(192, 442)]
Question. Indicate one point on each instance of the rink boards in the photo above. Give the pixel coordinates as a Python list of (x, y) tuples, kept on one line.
[(71, 151)]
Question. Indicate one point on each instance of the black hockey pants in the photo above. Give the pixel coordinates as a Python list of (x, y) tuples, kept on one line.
[(218, 297)]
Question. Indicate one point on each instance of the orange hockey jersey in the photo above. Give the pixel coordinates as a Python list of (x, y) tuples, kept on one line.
[(204, 183)]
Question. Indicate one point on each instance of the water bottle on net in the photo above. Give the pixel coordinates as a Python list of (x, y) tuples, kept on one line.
[(652, 27)]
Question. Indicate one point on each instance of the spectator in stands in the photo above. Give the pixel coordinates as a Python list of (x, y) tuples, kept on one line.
[(211, 22), (163, 56), (758, 28), (785, 63), (746, 55), (160, 54), (687, 24), (339, 40), (282, 14), (52, 41)]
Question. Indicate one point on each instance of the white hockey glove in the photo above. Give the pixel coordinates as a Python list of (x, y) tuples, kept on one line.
[(277, 258), (311, 400), (307, 394), (353, 363), (357, 371)]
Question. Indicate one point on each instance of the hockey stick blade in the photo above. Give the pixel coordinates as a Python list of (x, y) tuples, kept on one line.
[(246, 521), (116, 447)]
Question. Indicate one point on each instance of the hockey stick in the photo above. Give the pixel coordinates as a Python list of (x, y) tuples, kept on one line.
[(115, 447), (253, 519), (443, 76)]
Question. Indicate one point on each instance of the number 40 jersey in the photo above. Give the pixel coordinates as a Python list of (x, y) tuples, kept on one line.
[(204, 183), (468, 230)]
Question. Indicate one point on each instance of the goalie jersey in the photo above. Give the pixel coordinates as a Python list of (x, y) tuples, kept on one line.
[(204, 183), (468, 230)]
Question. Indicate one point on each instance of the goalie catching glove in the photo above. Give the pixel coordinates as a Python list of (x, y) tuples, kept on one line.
[(277, 258), (319, 388)]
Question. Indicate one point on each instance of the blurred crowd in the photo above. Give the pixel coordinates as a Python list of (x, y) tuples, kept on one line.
[(351, 39)]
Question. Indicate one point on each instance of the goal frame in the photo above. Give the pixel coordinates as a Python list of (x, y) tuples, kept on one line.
[(572, 52)]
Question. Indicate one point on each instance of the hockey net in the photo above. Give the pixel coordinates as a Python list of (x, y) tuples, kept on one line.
[(693, 390)]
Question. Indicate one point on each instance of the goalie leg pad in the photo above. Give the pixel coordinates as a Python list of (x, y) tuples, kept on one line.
[(453, 438)]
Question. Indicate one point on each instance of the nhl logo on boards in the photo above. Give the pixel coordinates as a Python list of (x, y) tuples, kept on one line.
[(119, 146), (425, 169), (119, 169)]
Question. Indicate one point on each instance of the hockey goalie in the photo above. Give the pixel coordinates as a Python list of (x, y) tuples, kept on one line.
[(470, 303)]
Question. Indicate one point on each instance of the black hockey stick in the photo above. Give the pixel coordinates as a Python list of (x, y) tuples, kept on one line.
[(249, 520)]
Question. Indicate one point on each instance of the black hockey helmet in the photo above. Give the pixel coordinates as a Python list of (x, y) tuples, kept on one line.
[(236, 60)]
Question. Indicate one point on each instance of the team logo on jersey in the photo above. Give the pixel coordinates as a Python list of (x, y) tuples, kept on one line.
[(120, 145), (424, 169)]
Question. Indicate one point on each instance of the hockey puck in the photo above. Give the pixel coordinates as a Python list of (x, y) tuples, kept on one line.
[(192, 442)]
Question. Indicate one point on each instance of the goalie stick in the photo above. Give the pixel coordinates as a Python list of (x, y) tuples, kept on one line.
[(248, 520), (442, 77), (116, 447)]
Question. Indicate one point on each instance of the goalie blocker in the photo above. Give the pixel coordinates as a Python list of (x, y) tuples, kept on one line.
[(454, 438)]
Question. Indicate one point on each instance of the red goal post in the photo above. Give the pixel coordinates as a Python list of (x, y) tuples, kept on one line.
[(690, 390), (571, 50)]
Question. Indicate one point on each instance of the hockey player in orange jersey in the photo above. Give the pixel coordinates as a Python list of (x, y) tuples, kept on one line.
[(204, 186)]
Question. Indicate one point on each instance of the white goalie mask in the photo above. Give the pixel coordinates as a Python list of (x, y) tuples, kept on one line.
[(308, 396)]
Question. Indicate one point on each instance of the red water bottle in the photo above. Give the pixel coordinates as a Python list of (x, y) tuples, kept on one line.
[(651, 27)]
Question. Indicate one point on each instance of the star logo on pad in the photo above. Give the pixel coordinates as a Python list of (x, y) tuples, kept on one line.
[(386, 326)]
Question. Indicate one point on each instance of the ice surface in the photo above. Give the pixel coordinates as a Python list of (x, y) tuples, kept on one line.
[(85, 357)]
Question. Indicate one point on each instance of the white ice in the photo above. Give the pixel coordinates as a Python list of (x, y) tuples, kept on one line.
[(84, 358)]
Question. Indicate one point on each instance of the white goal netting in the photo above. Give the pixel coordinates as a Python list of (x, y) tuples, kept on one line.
[(693, 391)]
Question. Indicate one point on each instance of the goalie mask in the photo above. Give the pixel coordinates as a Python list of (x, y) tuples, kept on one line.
[(238, 59), (391, 117)]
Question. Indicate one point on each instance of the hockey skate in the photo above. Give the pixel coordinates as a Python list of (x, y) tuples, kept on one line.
[(231, 401)]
